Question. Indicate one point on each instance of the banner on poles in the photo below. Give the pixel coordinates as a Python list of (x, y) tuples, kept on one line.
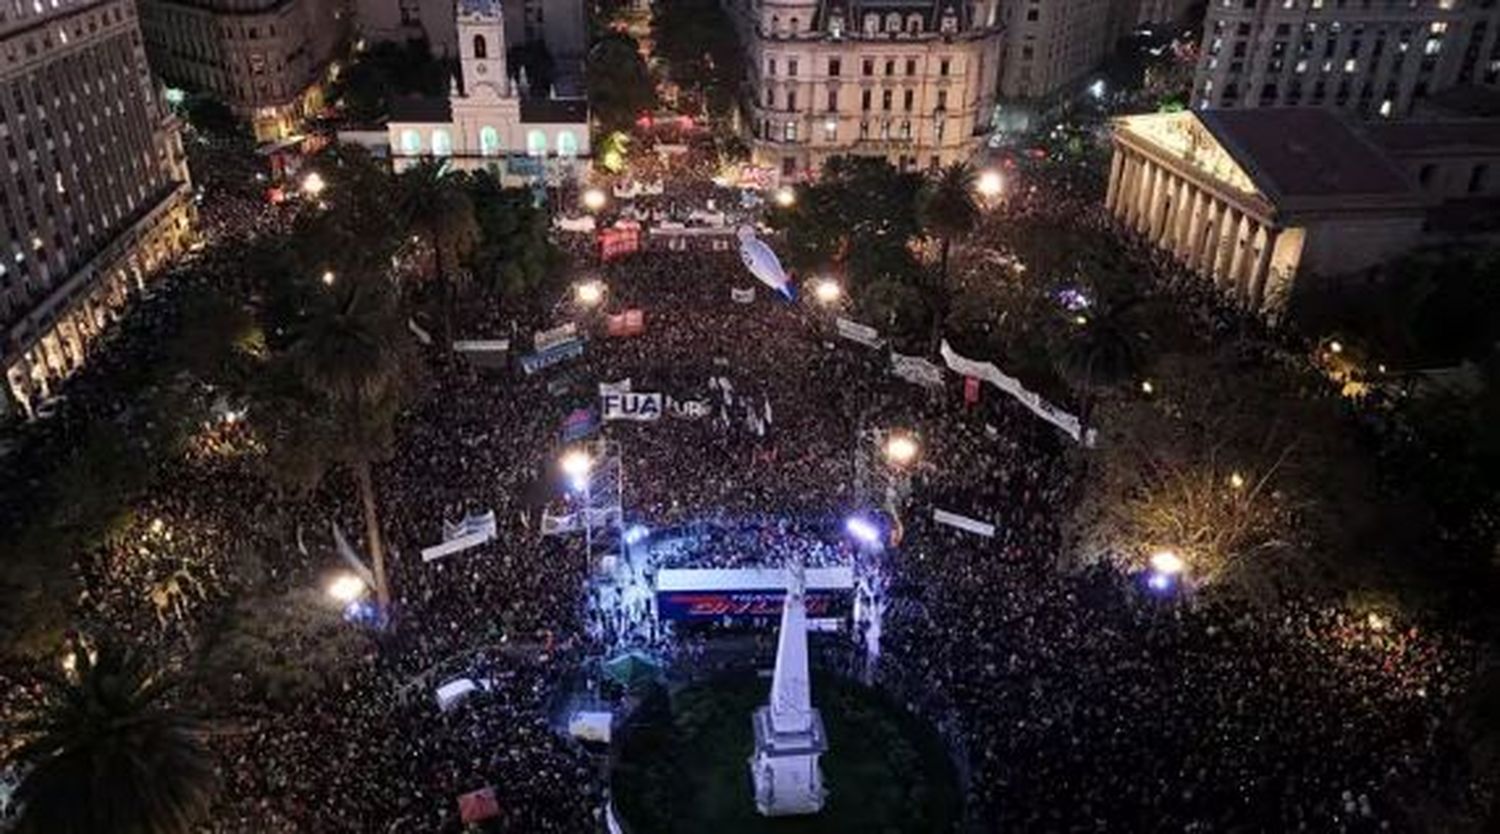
[(856, 332), (1012, 386), (688, 409), (963, 522), (619, 241), (551, 356), (544, 339), (617, 387), (455, 545), (631, 406), (740, 296), (471, 524), (629, 323), (579, 423), (916, 370)]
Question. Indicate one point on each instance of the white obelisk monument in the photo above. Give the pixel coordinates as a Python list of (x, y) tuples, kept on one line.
[(788, 731)]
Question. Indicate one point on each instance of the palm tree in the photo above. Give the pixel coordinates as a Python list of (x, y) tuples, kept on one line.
[(437, 208), (1107, 349), (948, 211), (108, 753), (350, 352)]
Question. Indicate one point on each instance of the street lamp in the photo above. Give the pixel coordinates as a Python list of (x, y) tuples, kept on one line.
[(577, 464), (901, 449), (1236, 480), (328, 277), (346, 588), (594, 199), (589, 293), (785, 197), (1166, 562), (989, 184), (313, 184), (827, 290)]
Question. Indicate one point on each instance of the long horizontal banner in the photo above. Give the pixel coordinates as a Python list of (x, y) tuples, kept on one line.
[(548, 338), (989, 373), (553, 355), (964, 523), (455, 545), (856, 332), (481, 345), (916, 370), (631, 405)]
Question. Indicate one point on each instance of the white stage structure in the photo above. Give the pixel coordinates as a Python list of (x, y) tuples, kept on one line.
[(789, 736)]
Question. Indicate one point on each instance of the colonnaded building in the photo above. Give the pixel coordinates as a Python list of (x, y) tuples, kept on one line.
[(95, 193), (910, 81), (1265, 203), (491, 119)]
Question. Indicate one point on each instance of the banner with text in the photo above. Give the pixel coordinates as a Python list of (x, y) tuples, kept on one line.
[(856, 332), (965, 523), (557, 335), (630, 405)]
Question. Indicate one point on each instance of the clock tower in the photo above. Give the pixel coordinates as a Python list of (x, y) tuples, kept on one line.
[(481, 51)]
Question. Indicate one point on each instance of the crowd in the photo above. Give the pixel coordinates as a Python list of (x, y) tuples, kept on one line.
[(1072, 702)]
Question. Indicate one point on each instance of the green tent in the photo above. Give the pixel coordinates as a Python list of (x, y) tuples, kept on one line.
[(632, 670)]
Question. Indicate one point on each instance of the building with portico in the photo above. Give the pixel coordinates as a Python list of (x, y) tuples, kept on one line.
[(491, 119), (1263, 202)]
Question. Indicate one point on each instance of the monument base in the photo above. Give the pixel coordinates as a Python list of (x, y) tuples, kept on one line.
[(788, 778)]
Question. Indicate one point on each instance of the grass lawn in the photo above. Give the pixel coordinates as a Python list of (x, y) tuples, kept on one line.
[(683, 765)]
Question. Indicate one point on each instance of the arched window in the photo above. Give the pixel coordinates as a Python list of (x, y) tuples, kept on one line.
[(795, 21), (775, 24), (914, 24), (442, 143), (411, 142), (536, 143), (892, 22), (481, 49), (872, 24), (567, 143), (489, 141)]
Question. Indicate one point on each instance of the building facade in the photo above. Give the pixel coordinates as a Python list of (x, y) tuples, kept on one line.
[(491, 119), (1052, 44), (1372, 57), (560, 24), (912, 82), (96, 191), (267, 59), (1259, 203), (1163, 11)]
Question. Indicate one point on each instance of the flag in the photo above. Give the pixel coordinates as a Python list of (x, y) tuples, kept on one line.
[(579, 423), (971, 390)]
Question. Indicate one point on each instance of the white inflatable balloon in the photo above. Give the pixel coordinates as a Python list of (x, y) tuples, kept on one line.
[(763, 263)]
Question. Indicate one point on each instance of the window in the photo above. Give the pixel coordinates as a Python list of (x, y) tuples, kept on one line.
[(869, 67), (942, 100), (536, 143), (911, 66), (489, 141), (411, 142), (885, 100), (943, 67), (864, 100), (567, 144), (791, 67), (791, 99), (442, 143), (833, 100), (909, 99), (789, 131), (481, 49), (834, 67)]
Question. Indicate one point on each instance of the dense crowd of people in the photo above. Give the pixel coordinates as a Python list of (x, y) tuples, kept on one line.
[(1071, 701)]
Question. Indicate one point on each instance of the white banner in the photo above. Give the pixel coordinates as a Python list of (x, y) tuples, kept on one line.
[(963, 522), (557, 335), (631, 406), (742, 296), (856, 332), (1012, 386), (474, 523), (619, 387), (455, 545), (416, 330), (916, 370), (688, 409), (481, 345)]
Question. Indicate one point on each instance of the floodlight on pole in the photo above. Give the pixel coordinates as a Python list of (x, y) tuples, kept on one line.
[(589, 293), (594, 199), (989, 184), (901, 449), (827, 291), (576, 464), (346, 588), (1166, 562), (313, 184)]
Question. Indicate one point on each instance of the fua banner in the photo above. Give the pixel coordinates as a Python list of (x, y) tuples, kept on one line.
[(630, 405)]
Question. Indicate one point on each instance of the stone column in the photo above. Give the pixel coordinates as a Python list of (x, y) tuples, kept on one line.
[(1181, 241), (1257, 298), (1160, 206), (1208, 238), (1239, 267), (1229, 242), (1142, 194), (1194, 236), (1116, 174)]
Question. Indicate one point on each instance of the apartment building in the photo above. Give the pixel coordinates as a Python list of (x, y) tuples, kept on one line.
[(266, 59), (913, 82), (95, 193), (1371, 57)]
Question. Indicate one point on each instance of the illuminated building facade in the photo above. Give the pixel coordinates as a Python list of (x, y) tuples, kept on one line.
[(96, 193)]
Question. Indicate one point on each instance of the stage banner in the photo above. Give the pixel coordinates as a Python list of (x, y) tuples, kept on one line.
[(617, 387), (916, 370), (553, 355), (556, 336), (1012, 386), (580, 423), (856, 332), (965, 523), (631, 406), (742, 296)]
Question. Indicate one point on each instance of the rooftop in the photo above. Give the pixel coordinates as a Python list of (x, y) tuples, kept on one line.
[(1447, 136), (554, 110), (1305, 152), (420, 109)]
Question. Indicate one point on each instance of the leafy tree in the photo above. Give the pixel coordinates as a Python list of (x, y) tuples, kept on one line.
[(696, 40), (948, 212), (437, 208), (515, 255), (1102, 351), (282, 648), (109, 752), (620, 86)]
